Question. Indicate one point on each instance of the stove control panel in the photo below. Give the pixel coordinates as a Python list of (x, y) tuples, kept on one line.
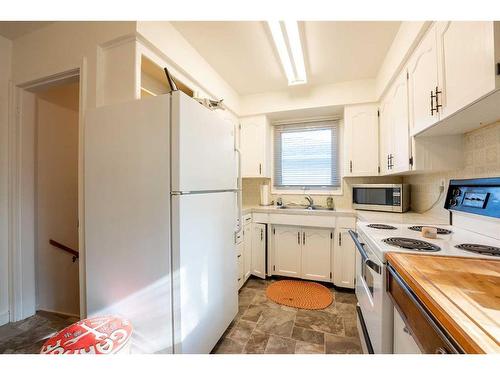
[(479, 196)]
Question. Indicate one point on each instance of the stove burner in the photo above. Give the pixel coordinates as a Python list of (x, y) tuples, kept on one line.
[(411, 244), (480, 249), (418, 228), (381, 226)]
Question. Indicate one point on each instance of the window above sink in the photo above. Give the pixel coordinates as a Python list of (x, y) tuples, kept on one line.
[(306, 158)]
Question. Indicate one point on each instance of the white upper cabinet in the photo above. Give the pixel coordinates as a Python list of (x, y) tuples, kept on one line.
[(255, 146), (422, 83), (361, 140), (316, 253), (259, 250), (394, 135), (466, 63), (454, 78)]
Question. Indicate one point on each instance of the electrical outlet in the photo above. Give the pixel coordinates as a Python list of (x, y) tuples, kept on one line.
[(442, 184)]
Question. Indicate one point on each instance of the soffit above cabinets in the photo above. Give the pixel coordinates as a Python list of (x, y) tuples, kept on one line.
[(15, 29), (243, 52)]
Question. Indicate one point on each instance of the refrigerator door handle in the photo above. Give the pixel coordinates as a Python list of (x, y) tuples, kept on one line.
[(239, 193)]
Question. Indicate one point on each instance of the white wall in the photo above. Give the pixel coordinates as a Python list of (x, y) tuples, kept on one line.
[(298, 97), (404, 42), (57, 201), (61, 46), (5, 56)]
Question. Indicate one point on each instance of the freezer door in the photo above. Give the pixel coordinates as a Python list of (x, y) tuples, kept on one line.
[(127, 219), (203, 156), (204, 269)]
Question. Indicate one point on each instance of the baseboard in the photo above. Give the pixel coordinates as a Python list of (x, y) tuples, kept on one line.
[(60, 313), (4, 317)]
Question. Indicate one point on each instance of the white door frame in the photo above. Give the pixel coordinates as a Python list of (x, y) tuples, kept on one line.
[(19, 265)]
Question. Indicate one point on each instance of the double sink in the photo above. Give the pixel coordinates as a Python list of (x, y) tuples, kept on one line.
[(306, 208)]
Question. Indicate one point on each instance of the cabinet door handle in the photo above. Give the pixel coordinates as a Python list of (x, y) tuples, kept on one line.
[(432, 103), (437, 100), (304, 238), (350, 166), (261, 234), (340, 238), (260, 169), (298, 238)]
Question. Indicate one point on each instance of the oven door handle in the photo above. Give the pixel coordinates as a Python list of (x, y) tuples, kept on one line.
[(366, 260)]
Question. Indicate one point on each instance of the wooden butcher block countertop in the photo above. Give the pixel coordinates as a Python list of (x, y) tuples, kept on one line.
[(463, 294)]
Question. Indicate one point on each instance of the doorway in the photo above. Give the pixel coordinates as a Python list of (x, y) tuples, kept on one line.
[(56, 198), (46, 269)]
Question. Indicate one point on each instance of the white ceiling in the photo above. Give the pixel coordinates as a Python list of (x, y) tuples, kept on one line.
[(15, 29), (243, 53)]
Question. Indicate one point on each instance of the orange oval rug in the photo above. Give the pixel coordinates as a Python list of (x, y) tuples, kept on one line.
[(300, 294)]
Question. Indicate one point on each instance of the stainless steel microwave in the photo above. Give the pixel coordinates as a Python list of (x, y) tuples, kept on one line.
[(381, 197)]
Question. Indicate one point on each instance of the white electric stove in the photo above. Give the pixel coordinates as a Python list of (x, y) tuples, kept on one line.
[(475, 233)]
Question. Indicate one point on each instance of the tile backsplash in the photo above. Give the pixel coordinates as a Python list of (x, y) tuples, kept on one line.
[(251, 191), (481, 159)]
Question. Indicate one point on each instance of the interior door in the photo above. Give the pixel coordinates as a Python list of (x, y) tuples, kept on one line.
[(202, 147), (467, 62), (259, 250), (316, 253), (422, 80), (287, 250)]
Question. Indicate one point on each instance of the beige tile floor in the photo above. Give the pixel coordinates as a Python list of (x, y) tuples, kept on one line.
[(261, 326), (264, 327)]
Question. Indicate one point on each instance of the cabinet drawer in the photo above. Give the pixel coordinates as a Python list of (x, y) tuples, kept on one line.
[(247, 219), (429, 335)]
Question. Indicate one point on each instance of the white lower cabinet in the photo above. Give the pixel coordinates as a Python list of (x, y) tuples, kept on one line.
[(344, 259), (287, 250), (239, 255), (247, 251), (316, 254), (302, 252), (404, 343), (258, 256)]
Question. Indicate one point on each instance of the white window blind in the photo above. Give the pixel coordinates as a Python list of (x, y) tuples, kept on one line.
[(306, 156)]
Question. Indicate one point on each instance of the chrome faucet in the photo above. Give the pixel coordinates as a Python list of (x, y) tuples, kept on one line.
[(309, 200)]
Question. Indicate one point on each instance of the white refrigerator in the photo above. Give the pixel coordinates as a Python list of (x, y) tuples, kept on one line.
[(161, 210)]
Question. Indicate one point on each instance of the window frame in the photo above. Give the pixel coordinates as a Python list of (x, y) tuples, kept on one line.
[(340, 151)]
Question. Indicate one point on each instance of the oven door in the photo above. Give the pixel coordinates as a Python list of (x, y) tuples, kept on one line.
[(369, 292)]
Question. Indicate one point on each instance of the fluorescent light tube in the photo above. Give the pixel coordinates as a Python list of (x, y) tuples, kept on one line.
[(287, 42), (292, 30)]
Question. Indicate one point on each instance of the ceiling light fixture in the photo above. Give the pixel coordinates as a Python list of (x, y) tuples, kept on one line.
[(287, 41)]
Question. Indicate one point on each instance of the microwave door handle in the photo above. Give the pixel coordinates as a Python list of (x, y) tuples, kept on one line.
[(366, 260)]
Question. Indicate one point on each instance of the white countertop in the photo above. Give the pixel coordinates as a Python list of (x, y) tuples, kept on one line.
[(401, 218), (298, 211), (365, 216)]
